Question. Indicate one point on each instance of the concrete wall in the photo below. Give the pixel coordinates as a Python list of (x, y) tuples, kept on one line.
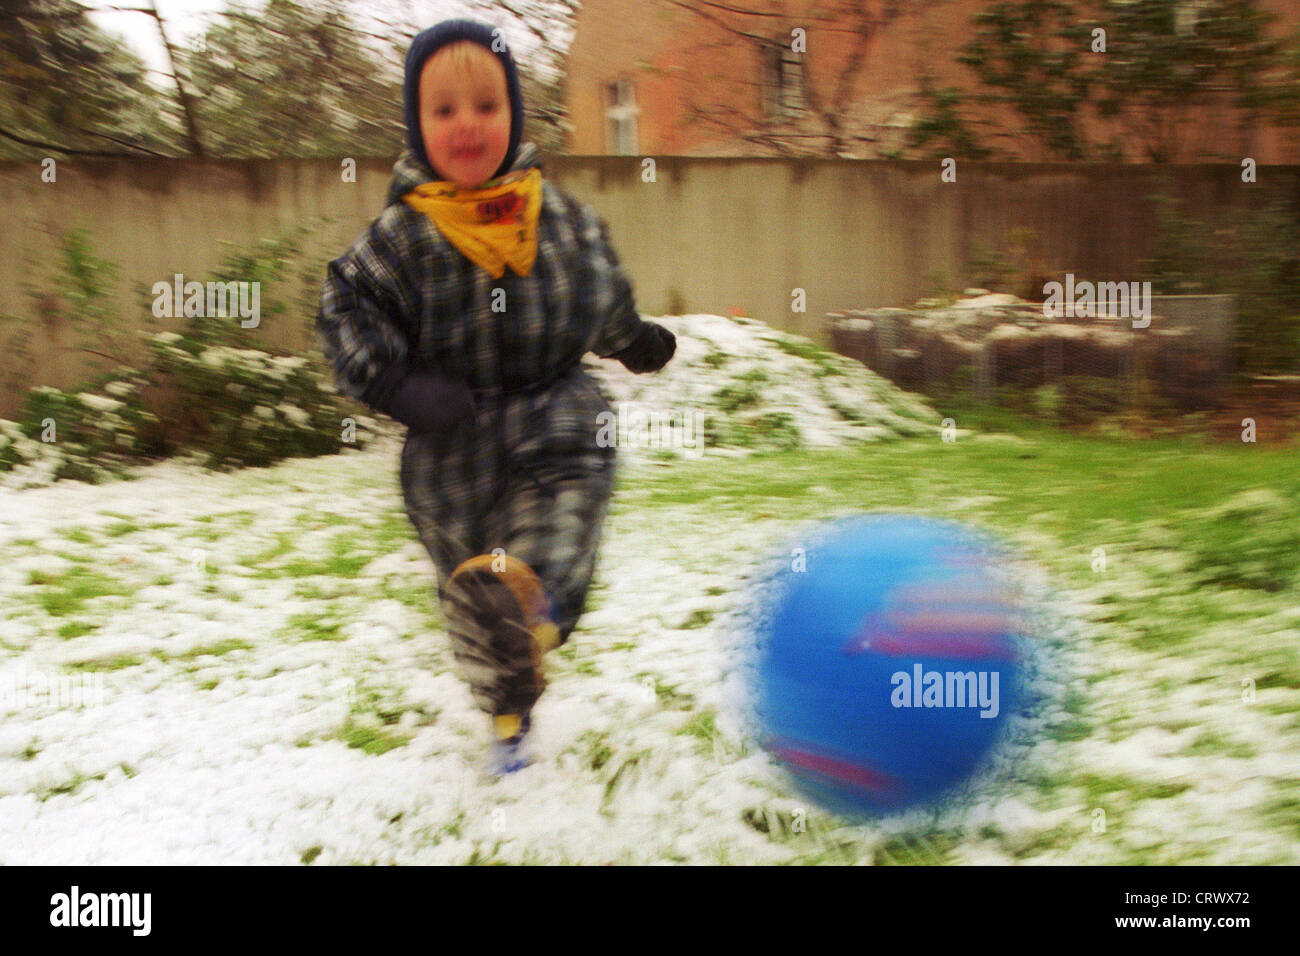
[(707, 235)]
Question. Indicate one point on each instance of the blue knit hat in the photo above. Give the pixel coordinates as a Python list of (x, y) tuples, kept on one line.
[(430, 42)]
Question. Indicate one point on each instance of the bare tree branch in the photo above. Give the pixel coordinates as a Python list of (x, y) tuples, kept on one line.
[(187, 104), (825, 105), (56, 148)]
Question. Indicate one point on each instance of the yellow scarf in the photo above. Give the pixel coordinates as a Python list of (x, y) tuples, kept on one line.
[(494, 226)]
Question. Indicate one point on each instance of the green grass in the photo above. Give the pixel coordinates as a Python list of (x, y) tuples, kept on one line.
[(734, 398), (1081, 491), (847, 413), (75, 629), (668, 695), (367, 725), (624, 773), (810, 351), (349, 552), (218, 649), (779, 824), (703, 726), (716, 359), (67, 787), (392, 532), (698, 618), (1098, 786), (324, 519), (921, 849), (309, 626), (65, 594), (371, 740), (1286, 809), (596, 749), (110, 664), (1289, 679), (827, 362), (1066, 483), (1058, 837), (284, 542)]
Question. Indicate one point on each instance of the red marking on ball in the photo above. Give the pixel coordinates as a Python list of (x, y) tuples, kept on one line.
[(854, 774)]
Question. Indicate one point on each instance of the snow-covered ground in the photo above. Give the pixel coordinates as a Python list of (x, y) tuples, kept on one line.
[(250, 668), (231, 677), (740, 370)]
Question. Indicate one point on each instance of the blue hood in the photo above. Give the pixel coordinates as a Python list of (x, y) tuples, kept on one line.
[(428, 43)]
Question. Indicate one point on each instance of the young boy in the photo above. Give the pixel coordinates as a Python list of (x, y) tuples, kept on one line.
[(464, 312)]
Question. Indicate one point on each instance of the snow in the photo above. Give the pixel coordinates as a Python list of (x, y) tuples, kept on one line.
[(993, 300), (832, 400), (99, 403), (230, 684)]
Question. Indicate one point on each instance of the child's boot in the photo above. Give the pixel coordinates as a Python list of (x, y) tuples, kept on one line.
[(501, 623), (510, 749)]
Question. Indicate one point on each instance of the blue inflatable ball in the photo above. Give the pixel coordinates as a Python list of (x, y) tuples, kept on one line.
[(888, 662)]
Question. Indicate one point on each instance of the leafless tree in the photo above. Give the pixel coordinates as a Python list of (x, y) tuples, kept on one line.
[(778, 92)]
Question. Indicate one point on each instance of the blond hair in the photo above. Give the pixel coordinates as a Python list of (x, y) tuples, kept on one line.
[(471, 61)]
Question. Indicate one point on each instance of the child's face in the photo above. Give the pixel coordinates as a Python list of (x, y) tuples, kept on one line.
[(464, 119)]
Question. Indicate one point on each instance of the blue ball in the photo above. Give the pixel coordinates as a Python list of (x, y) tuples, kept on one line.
[(889, 662)]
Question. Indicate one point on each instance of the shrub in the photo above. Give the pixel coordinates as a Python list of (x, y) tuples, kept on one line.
[(198, 390), (250, 407), (1017, 269), (1254, 254)]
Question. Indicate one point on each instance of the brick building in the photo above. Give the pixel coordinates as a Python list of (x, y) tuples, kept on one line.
[(695, 77)]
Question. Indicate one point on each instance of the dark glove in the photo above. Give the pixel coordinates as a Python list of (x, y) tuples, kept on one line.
[(649, 351), (424, 401)]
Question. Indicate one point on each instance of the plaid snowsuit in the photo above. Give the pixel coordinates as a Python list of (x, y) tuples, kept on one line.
[(530, 478)]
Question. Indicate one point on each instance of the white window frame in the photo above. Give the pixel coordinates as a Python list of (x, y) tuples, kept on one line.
[(621, 112)]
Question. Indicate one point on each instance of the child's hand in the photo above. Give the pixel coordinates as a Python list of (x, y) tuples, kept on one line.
[(431, 403), (650, 351)]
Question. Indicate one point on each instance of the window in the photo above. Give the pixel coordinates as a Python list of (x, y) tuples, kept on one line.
[(1188, 15), (620, 118), (783, 81)]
